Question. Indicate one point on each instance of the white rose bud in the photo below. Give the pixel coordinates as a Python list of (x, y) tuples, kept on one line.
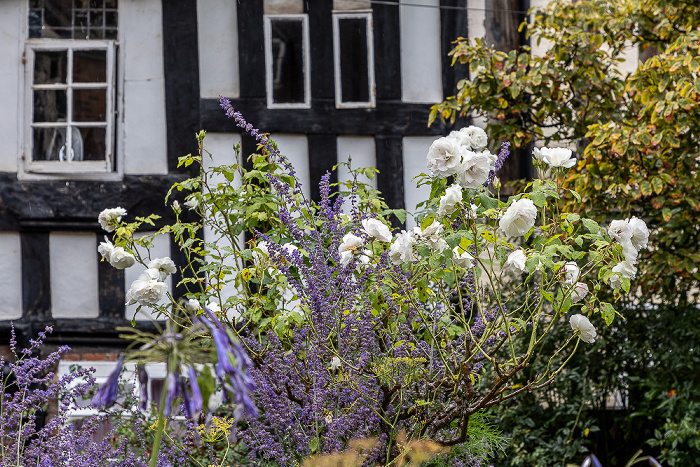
[(583, 327), (579, 292), (517, 259), (572, 271), (376, 229), (109, 219), (462, 258), (450, 200), (121, 259)]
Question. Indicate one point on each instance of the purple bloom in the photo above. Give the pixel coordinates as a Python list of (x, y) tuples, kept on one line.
[(107, 394), (143, 386), (173, 391), (195, 403)]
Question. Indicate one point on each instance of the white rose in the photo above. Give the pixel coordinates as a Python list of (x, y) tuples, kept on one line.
[(109, 219), (147, 289), (192, 203), (620, 231), (477, 136), (629, 252), (537, 154), (474, 169), (462, 258), (583, 326), (350, 243), (640, 233), (165, 267), (376, 229), (121, 259), (105, 249), (345, 258), (214, 307), (401, 249), (557, 157), (519, 218), (431, 235), (194, 305), (449, 201), (517, 259), (579, 292), (626, 269), (572, 271), (471, 137), (444, 157)]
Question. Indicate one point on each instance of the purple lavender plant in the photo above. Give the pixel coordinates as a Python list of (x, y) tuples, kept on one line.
[(364, 361)]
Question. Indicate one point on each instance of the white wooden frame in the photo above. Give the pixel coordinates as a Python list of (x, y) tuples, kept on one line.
[(337, 17), (269, 78), (69, 169)]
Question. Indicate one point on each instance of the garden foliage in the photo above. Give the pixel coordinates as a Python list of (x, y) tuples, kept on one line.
[(636, 139)]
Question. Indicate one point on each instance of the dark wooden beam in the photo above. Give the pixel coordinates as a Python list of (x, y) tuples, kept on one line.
[(323, 118), (321, 53), (323, 155), (36, 275), (389, 153), (387, 50), (251, 49), (181, 72), (112, 290), (74, 205)]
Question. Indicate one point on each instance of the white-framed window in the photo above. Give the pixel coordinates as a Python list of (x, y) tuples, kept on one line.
[(353, 56), (287, 63), (70, 87)]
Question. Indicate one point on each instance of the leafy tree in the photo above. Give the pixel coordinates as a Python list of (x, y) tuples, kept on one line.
[(636, 136)]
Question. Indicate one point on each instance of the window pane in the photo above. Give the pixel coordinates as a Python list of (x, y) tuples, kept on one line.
[(354, 75), (92, 144), (89, 105), (47, 143), (49, 105), (57, 13), (50, 67), (287, 61), (90, 66)]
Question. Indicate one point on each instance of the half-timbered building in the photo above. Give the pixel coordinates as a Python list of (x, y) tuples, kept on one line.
[(100, 98)]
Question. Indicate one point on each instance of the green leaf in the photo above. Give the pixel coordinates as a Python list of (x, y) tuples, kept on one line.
[(657, 184), (538, 198), (591, 225), (488, 202), (573, 217), (666, 214), (607, 311)]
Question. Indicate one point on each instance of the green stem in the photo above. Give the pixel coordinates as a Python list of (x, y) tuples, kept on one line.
[(160, 428)]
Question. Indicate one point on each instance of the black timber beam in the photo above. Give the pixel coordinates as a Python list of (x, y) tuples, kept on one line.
[(181, 72), (387, 50), (251, 48), (323, 117)]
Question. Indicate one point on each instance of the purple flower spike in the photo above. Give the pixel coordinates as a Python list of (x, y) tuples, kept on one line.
[(107, 394), (173, 390), (196, 401), (143, 386)]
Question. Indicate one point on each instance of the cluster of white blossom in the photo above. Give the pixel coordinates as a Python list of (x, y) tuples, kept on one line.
[(150, 286), (633, 235), (462, 154)]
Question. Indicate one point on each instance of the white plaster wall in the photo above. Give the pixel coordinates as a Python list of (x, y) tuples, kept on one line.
[(362, 151), (10, 275), (160, 249), (283, 7), (296, 148), (476, 18), (218, 48), (11, 38), (142, 126), (415, 150), (421, 56), (74, 275)]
